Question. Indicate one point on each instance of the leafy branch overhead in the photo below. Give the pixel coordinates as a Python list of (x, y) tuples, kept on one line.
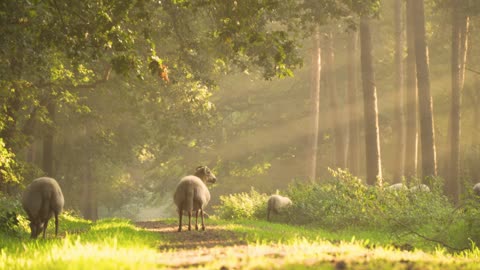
[(95, 80)]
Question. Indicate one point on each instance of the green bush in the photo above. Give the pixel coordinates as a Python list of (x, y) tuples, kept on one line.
[(336, 203), (10, 210), (243, 205), (344, 201)]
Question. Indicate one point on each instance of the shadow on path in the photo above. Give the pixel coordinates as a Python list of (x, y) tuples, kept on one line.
[(213, 236)]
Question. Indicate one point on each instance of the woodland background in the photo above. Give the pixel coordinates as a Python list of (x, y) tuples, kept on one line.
[(118, 100)]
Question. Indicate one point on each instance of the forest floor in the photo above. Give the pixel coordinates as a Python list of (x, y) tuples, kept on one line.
[(194, 249), (222, 247), (225, 244)]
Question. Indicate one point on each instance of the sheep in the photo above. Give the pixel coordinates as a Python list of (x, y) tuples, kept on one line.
[(275, 203), (397, 187), (41, 200), (476, 189), (192, 194), (421, 188)]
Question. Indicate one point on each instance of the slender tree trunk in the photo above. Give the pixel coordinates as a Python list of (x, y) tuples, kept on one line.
[(353, 107), (336, 116), (89, 196), (458, 59), (372, 135), (411, 151), (427, 135), (48, 157), (315, 96), (89, 202), (399, 112)]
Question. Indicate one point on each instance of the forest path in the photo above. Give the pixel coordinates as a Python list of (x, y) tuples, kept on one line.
[(216, 244), (215, 248), (214, 235), (220, 247)]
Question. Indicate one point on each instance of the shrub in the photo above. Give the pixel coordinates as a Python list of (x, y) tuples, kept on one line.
[(336, 203), (243, 205), (344, 201), (10, 210)]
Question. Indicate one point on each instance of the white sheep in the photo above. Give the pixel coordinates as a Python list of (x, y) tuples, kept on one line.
[(276, 203), (397, 187), (476, 189), (420, 188), (41, 200), (192, 194)]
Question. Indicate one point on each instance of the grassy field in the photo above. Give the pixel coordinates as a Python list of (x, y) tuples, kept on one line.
[(121, 244)]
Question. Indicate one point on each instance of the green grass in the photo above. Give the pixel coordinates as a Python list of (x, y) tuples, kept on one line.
[(106, 244), (118, 244)]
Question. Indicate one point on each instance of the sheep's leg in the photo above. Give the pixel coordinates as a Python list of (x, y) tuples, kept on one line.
[(196, 220), (203, 224), (45, 228), (189, 220), (268, 214), (56, 224), (180, 212)]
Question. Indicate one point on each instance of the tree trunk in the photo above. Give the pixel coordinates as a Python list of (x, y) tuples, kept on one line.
[(89, 197), (48, 157), (399, 112), (458, 59), (315, 97), (353, 107), (411, 145), (427, 135), (336, 116), (89, 201), (372, 135)]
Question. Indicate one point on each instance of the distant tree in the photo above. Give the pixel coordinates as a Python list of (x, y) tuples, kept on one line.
[(353, 106), (411, 140), (427, 134), (399, 128), (372, 134), (336, 114), (460, 23), (315, 97)]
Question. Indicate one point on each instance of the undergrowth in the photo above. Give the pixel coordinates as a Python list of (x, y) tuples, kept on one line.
[(344, 202)]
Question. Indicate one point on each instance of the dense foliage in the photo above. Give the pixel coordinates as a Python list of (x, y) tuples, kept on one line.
[(344, 202), (243, 205)]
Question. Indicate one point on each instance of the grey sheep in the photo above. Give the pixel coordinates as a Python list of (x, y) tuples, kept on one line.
[(275, 203), (476, 189), (41, 200), (192, 194)]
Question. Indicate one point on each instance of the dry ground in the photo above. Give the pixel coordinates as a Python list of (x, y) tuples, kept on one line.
[(220, 248)]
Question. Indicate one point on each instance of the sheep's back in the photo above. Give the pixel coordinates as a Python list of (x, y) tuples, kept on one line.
[(40, 191), (191, 188), (276, 202), (476, 189)]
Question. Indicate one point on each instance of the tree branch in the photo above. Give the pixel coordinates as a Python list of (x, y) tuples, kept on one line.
[(472, 70)]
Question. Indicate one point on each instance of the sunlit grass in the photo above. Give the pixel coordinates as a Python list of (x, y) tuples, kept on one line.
[(119, 244), (107, 244)]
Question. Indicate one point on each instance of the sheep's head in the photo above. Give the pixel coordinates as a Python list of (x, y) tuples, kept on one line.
[(36, 228), (204, 173)]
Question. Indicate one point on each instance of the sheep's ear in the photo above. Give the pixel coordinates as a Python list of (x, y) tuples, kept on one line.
[(200, 168)]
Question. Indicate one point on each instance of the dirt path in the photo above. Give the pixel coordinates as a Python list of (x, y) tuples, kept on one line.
[(196, 249), (220, 248), (213, 236)]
